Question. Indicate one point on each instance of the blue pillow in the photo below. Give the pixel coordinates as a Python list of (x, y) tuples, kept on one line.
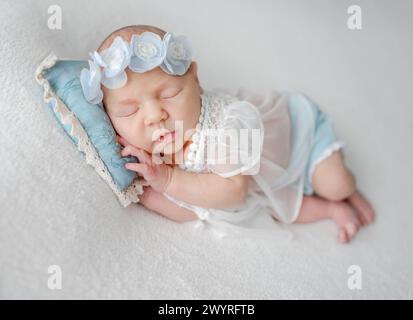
[(87, 125)]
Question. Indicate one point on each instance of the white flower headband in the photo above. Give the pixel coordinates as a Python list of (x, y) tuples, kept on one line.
[(145, 52)]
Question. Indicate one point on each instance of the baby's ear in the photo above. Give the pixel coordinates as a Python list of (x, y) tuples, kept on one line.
[(194, 70), (194, 66)]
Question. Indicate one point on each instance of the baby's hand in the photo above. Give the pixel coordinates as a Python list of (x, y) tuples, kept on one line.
[(152, 168)]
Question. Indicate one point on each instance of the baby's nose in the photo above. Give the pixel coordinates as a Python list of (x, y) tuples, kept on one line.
[(154, 114)]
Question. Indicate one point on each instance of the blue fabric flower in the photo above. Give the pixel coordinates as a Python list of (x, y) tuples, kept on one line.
[(178, 56), (90, 81), (114, 61), (148, 52)]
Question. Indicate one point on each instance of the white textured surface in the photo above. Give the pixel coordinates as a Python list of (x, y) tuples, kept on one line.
[(56, 210)]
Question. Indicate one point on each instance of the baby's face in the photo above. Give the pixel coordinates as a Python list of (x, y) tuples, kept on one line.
[(152, 101)]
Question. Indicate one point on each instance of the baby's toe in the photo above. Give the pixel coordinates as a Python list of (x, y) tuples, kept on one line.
[(369, 215), (363, 221), (352, 229), (366, 216), (342, 236)]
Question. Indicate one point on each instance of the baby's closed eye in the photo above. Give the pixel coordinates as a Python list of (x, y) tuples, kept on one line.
[(170, 93), (128, 112)]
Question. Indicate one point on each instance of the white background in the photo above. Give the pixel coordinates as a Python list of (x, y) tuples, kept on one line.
[(56, 210)]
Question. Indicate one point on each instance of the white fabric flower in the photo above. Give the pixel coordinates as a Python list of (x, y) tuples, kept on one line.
[(114, 61), (179, 55), (148, 52), (90, 81)]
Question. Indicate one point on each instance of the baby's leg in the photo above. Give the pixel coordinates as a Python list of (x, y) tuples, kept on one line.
[(157, 202), (333, 181), (314, 208)]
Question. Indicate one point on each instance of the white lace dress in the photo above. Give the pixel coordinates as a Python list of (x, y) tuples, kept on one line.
[(277, 169)]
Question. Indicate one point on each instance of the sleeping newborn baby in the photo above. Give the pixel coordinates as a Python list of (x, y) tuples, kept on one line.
[(218, 157)]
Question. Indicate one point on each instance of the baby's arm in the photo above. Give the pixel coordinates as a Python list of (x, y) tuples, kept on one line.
[(207, 190), (157, 202)]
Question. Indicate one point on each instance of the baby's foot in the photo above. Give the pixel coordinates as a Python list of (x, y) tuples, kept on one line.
[(364, 209), (346, 219)]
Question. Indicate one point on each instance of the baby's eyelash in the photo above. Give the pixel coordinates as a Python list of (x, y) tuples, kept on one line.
[(172, 96), (137, 110), (129, 114)]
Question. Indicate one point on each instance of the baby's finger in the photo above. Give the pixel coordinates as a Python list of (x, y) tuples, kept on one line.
[(144, 156), (151, 158), (141, 168), (130, 150)]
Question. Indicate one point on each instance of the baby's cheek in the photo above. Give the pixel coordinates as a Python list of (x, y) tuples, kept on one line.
[(117, 126), (187, 118)]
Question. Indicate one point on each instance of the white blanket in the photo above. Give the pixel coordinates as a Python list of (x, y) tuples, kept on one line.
[(55, 210)]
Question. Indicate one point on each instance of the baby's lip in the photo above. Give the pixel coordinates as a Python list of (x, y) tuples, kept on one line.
[(169, 137), (165, 136), (159, 133)]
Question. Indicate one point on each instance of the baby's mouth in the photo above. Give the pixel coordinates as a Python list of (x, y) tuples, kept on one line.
[(170, 136)]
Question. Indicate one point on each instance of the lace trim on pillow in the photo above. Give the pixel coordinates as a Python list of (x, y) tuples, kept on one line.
[(125, 197)]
